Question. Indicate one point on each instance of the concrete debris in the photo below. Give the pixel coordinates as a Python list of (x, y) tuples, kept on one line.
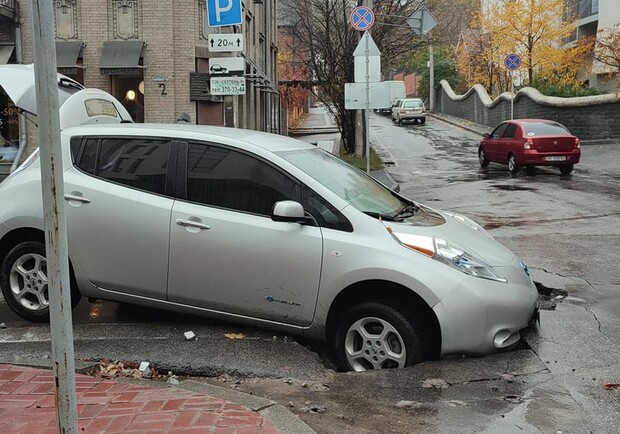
[(408, 404), (290, 404), (190, 336), (172, 380), (2, 325), (304, 385), (288, 381), (314, 409), (456, 403), (436, 383), (508, 377)]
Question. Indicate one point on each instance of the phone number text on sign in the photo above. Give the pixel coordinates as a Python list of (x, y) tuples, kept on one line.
[(227, 85)]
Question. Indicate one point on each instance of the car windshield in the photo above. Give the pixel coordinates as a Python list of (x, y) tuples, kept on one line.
[(413, 104), (545, 129), (350, 184)]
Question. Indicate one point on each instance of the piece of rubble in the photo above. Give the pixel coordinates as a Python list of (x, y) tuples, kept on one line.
[(508, 377), (290, 404), (2, 325), (288, 381), (456, 403), (314, 409), (437, 383), (408, 404), (172, 380), (190, 336)]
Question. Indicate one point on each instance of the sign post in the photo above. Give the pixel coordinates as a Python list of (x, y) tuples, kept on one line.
[(56, 249), (422, 22), (512, 62), (362, 18)]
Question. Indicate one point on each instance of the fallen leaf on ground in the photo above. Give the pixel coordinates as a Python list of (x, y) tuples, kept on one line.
[(611, 386), (234, 336)]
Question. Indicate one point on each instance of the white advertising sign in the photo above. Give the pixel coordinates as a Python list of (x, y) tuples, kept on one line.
[(227, 85)]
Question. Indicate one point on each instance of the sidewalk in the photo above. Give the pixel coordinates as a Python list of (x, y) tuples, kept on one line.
[(106, 406)]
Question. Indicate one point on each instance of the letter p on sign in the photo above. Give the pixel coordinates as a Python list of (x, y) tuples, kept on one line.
[(224, 13)]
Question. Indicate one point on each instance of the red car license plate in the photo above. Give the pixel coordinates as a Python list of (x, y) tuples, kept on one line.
[(556, 158)]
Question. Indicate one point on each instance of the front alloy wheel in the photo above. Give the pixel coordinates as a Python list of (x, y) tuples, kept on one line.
[(23, 277), (376, 336)]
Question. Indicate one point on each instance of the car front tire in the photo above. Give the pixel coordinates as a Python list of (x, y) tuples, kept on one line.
[(24, 281), (482, 158), (376, 335)]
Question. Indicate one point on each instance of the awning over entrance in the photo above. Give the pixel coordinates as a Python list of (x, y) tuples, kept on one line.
[(121, 57), (67, 53), (5, 53)]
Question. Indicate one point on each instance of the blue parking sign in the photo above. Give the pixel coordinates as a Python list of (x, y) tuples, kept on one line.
[(224, 13)]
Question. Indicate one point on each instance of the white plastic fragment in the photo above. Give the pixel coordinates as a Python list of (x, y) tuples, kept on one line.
[(190, 336)]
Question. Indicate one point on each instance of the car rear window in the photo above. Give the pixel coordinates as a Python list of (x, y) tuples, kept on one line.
[(545, 129), (413, 104)]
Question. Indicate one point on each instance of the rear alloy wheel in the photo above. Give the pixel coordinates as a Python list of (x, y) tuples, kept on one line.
[(375, 335), (512, 164), (482, 158), (565, 169), (23, 277)]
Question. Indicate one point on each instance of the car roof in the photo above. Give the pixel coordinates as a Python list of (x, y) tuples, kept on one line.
[(533, 121), (226, 135)]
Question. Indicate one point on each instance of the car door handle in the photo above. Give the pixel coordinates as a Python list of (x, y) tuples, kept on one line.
[(76, 198), (186, 223)]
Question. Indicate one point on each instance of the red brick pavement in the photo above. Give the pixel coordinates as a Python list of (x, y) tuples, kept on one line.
[(105, 406)]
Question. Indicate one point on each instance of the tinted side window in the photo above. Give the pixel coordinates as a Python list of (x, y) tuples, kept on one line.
[(88, 158), (509, 132), (229, 179), (139, 163), (497, 132)]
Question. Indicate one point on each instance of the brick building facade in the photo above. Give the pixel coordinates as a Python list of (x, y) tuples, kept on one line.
[(153, 56)]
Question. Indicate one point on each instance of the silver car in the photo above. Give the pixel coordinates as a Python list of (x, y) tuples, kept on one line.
[(409, 109), (264, 230)]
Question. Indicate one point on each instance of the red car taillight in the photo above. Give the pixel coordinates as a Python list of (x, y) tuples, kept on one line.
[(402, 110), (528, 144), (577, 145)]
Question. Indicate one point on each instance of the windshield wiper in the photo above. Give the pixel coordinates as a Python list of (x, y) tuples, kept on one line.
[(381, 216), (406, 211)]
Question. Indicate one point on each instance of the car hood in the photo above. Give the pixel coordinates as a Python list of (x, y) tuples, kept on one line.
[(453, 227)]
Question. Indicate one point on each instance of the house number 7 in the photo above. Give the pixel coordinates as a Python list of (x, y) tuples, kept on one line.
[(162, 86)]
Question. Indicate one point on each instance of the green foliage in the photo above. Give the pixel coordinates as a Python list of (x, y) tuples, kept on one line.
[(445, 68), (360, 162), (564, 91)]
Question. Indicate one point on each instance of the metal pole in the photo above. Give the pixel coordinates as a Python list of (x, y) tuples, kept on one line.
[(431, 84), (54, 214), (366, 120), (512, 95), (23, 138)]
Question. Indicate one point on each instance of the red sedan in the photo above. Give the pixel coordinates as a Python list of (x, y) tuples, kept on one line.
[(530, 142)]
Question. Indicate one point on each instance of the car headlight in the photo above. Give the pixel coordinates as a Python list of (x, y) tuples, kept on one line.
[(450, 253)]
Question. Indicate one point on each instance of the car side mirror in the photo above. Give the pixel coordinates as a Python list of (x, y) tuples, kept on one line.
[(288, 211), (486, 135)]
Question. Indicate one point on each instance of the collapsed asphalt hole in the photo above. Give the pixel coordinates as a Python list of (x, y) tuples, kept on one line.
[(549, 297), (513, 187)]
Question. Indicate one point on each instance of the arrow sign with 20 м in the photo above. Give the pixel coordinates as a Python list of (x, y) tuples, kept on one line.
[(225, 42)]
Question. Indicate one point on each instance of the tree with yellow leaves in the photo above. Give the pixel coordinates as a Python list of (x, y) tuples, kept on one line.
[(537, 30), (607, 50)]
